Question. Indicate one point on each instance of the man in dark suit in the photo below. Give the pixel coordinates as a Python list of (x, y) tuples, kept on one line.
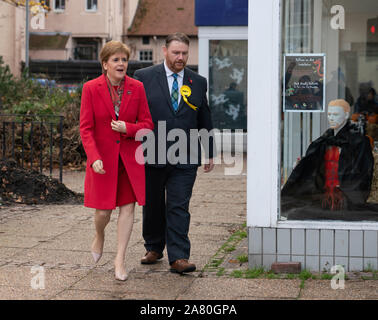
[(177, 100)]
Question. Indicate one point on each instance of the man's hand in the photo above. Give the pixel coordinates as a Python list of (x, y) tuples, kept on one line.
[(119, 126), (98, 167), (209, 166)]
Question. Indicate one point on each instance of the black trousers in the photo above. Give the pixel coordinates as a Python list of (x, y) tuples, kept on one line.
[(166, 214)]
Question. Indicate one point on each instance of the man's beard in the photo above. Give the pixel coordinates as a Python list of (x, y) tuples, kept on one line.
[(178, 65)]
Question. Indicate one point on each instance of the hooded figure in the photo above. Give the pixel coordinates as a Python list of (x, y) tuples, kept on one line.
[(336, 173)]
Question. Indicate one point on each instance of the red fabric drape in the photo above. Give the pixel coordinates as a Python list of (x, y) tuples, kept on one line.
[(333, 197)]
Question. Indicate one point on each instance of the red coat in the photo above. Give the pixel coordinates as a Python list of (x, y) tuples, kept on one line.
[(101, 142)]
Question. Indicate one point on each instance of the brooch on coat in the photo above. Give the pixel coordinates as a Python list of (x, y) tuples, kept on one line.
[(186, 92)]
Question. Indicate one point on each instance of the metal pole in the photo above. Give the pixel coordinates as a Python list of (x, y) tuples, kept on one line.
[(13, 139), (22, 141), (31, 145), (51, 148), (61, 150), (27, 35), (4, 140), (41, 142)]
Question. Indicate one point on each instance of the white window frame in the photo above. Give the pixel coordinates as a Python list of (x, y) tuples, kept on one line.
[(205, 34), (92, 9), (263, 158), (146, 50), (59, 9)]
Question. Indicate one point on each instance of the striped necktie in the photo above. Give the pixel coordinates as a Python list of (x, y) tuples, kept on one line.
[(174, 94)]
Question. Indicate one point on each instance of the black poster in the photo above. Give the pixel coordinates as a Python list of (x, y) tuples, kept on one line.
[(304, 83)]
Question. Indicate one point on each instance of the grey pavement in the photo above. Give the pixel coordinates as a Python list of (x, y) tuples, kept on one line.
[(58, 239)]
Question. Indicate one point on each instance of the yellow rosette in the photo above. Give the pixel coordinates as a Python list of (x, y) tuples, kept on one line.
[(186, 92)]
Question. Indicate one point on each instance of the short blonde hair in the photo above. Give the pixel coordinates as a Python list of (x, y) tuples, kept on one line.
[(110, 48), (340, 103)]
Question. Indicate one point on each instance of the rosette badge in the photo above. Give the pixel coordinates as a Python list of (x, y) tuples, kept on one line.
[(185, 91)]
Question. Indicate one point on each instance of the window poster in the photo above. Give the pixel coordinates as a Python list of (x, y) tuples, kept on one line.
[(304, 83)]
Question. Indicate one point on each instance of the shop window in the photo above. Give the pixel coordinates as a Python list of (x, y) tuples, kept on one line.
[(91, 5), (329, 127), (86, 49), (145, 55), (228, 83), (59, 5)]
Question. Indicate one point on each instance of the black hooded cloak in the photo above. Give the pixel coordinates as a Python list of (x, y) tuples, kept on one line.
[(301, 196)]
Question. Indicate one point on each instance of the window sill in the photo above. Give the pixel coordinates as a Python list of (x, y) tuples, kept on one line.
[(339, 225)]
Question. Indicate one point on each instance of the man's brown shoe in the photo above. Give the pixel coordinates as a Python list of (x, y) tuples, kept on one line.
[(182, 265), (151, 257)]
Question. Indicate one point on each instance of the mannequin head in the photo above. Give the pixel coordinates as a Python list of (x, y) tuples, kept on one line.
[(338, 113)]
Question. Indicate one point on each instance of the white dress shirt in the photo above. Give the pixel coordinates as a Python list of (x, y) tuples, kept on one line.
[(180, 80)]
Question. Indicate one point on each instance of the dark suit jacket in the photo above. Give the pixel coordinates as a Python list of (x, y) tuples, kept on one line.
[(155, 82)]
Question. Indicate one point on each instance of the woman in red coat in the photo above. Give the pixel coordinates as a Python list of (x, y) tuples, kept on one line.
[(113, 108)]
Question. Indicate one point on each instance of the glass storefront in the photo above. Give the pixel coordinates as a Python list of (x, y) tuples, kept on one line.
[(329, 118), (228, 83)]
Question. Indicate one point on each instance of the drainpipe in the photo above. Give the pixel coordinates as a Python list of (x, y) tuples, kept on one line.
[(27, 35)]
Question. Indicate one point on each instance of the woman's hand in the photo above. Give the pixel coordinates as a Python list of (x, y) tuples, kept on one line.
[(119, 126), (209, 166), (98, 167)]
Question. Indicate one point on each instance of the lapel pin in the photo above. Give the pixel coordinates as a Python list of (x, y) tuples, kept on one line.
[(129, 92)]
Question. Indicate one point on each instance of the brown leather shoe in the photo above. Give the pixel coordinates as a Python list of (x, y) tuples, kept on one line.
[(182, 265), (151, 257)]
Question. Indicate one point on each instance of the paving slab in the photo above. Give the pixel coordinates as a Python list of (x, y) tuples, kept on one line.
[(204, 247), (165, 285), (220, 198), (228, 288), (6, 253), (132, 262), (59, 257), (205, 229), (18, 241), (71, 294), (353, 290), (16, 282), (25, 293), (37, 229), (78, 241), (100, 279)]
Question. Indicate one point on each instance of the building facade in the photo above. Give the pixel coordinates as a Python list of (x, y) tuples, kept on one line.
[(12, 40), (77, 30), (153, 22)]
